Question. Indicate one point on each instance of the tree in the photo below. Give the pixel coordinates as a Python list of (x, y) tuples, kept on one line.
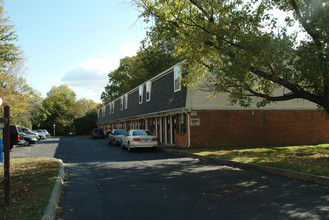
[(84, 124), (149, 61), (247, 48), (14, 90), (9, 52), (60, 108)]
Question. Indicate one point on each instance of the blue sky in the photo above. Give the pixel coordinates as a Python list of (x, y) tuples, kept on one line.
[(74, 42)]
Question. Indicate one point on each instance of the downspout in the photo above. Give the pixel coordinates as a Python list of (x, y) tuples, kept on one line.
[(189, 132)]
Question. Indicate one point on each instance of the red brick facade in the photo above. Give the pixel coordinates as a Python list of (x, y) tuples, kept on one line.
[(259, 128)]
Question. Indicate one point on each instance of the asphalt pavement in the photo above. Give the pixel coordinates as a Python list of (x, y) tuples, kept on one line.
[(104, 182)]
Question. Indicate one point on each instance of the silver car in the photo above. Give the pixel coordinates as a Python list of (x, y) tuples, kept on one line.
[(139, 139)]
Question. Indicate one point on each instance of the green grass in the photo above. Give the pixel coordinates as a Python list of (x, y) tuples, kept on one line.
[(32, 181), (311, 159)]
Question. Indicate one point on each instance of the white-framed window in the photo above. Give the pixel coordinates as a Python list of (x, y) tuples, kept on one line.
[(121, 102), (141, 91), (177, 80), (148, 90), (126, 100)]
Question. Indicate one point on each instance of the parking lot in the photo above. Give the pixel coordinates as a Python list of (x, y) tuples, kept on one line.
[(106, 182)]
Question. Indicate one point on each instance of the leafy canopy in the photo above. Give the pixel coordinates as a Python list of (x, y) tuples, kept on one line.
[(14, 91), (61, 108), (251, 47)]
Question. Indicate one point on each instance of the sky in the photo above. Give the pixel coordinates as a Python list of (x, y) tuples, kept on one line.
[(74, 42)]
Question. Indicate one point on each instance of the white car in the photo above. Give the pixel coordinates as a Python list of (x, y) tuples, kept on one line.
[(139, 139)]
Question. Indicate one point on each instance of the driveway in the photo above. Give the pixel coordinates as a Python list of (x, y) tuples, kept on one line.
[(105, 182)]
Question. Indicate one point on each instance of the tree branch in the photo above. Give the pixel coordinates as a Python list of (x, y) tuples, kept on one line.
[(296, 90), (306, 26), (285, 97)]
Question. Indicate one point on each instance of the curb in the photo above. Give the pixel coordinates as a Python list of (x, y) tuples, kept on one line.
[(50, 212), (264, 169)]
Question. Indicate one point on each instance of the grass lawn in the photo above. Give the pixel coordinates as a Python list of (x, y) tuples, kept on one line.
[(311, 159), (32, 181)]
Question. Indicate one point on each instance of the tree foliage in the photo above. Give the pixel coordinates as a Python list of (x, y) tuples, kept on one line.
[(14, 91), (248, 48), (150, 60), (84, 124), (60, 108)]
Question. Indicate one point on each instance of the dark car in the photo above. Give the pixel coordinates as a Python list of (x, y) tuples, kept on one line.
[(97, 133), (115, 136), (16, 136)]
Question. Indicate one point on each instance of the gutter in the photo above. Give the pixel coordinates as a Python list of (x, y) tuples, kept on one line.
[(189, 128)]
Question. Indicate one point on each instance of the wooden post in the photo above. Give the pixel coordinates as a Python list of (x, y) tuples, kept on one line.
[(6, 146)]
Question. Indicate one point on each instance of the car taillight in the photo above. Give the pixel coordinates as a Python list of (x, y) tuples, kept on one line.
[(136, 139), (154, 139), (18, 137)]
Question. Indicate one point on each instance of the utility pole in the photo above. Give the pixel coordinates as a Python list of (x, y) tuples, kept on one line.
[(6, 145)]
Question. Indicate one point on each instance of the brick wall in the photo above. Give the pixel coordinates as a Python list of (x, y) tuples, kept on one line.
[(259, 128)]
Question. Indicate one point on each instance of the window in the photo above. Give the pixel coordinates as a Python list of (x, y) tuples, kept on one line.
[(141, 88), (177, 81), (112, 106), (121, 103), (126, 101), (148, 90)]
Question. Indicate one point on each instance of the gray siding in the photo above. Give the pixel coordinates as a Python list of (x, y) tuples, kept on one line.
[(163, 98)]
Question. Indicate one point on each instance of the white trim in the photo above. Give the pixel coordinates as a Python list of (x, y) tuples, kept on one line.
[(166, 129), (171, 129), (140, 94), (156, 126), (177, 74), (161, 132), (148, 85), (126, 100)]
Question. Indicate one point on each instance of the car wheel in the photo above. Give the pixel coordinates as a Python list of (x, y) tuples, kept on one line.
[(27, 143)]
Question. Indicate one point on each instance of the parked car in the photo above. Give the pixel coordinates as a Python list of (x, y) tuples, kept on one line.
[(41, 134), (16, 136), (47, 133), (43, 131), (115, 136), (28, 131), (30, 139), (139, 139), (71, 134), (97, 133)]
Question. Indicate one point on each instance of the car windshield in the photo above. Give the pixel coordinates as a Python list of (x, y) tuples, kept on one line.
[(142, 133), (99, 131), (120, 132)]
